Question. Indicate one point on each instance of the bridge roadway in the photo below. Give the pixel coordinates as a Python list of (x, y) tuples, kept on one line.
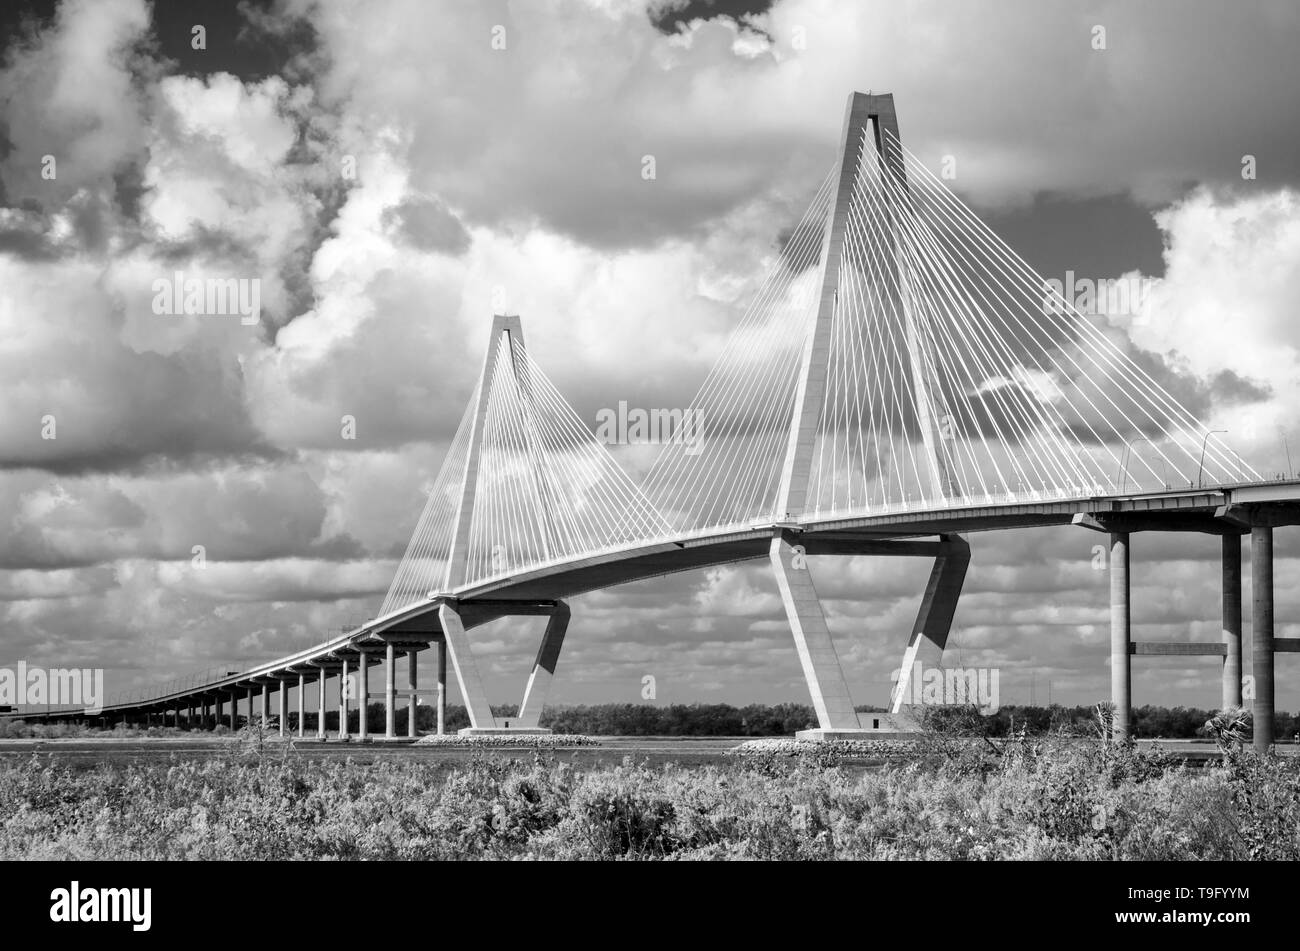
[(1230, 511)]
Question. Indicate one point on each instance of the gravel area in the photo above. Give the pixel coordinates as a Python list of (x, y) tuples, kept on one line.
[(538, 740), (785, 746)]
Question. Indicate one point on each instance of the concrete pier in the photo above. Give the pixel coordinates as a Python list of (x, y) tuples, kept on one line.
[(1231, 621), (1121, 683), (343, 701), (302, 705), (442, 688), (363, 694), (548, 656), (320, 705), (933, 623), (812, 638), (412, 683), (1261, 634), (390, 690), (466, 668)]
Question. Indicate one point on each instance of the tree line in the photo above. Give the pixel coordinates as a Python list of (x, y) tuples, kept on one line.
[(784, 719)]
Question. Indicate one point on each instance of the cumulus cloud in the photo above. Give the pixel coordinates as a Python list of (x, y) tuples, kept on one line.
[(1224, 311), (72, 93)]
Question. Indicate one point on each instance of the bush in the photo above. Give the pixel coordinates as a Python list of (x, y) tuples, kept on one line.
[(1024, 797)]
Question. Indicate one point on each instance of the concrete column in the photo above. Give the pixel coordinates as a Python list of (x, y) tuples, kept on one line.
[(320, 705), (302, 705), (1261, 633), (412, 682), (250, 721), (343, 701), (1231, 621), (548, 656), (1121, 683), (390, 690), (933, 622), (467, 674), (812, 638), (284, 706), (442, 687), (266, 704), (234, 710), (363, 695)]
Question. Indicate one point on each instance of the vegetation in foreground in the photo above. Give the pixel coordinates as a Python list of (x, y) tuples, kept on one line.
[(1023, 798)]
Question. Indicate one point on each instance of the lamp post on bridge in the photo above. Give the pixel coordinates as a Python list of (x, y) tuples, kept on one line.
[(1128, 454), (1200, 470)]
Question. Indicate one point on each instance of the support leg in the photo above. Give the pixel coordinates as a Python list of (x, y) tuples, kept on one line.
[(266, 705), (284, 706), (812, 638), (539, 682), (363, 695), (343, 701), (1231, 621), (302, 706), (412, 682), (390, 690), (442, 686), (320, 705), (1121, 684), (467, 675), (1261, 634), (933, 619)]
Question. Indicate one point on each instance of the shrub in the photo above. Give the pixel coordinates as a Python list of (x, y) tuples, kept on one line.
[(1021, 797)]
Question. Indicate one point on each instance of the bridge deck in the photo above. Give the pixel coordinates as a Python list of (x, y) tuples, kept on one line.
[(414, 627)]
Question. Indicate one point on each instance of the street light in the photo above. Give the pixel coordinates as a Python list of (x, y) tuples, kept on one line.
[(1123, 459), (1200, 471)]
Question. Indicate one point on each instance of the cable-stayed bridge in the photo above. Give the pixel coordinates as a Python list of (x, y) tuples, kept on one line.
[(902, 377)]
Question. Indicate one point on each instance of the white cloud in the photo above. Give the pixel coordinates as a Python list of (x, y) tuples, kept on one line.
[(1227, 303)]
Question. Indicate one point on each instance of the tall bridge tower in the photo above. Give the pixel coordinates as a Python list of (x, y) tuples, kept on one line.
[(875, 115)]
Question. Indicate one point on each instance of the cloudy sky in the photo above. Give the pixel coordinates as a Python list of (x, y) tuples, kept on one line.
[(383, 168)]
